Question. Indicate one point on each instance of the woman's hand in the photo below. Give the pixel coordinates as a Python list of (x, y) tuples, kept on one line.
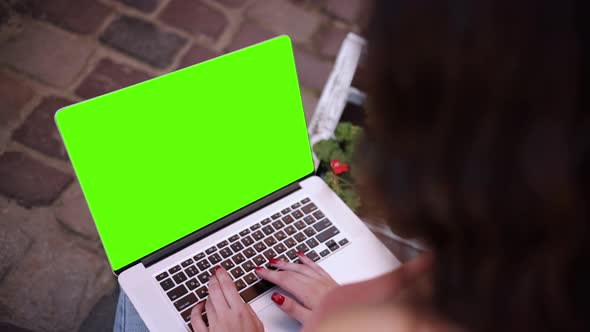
[(226, 312), (307, 281)]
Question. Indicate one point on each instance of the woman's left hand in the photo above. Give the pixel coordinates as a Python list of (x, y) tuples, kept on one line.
[(225, 309)]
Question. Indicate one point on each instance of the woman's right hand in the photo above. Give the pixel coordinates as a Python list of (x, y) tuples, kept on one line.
[(307, 281)]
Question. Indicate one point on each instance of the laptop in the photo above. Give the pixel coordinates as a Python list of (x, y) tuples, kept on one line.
[(211, 165)]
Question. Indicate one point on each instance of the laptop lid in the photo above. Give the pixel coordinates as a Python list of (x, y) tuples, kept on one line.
[(164, 158)]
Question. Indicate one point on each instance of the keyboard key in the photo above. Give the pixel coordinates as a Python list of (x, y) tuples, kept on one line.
[(290, 230), (300, 224), (280, 235), (186, 315), (161, 276), (322, 225), (187, 262), (185, 302), (318, 214), (280, 248), (249, 252), (245, 232), (211, 250), (325, 252), (202, 292), (191, 271), (270, 241), (312, 243), (305, 200), (237, 272), (288, 219), (327, 234), (259, 260), (225, 252), (237, 246), (303, 248), (267, 230), (215, 259), (309, 208), (282, 258), (290, 242), (278, 225), (222, 244), (174, 269), (198, 257), (309, 232), (177, 292), (180, 277), (259, 246), (192, 284), (265, 221), (248, 266), (309, 220), (167, 284), (203, 265), (233, 238), (276, 216), (300, 237), (297, 214), (257, 235), (258, 289), (250, 278), (286, 210), (330, 243), (334, 247), (204, 277), (239, 259), (343, 242), (227, 264), (240, 284), (313, 256), (295, 206), (292, 254), (247, 241), (269, 254), (254, 227)]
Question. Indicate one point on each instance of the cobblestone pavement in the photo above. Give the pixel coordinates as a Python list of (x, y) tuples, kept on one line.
[(54, 53)]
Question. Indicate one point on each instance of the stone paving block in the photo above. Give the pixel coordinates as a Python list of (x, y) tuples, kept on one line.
[(143, 40), (82, 16), (194, 17), (14, 244), (49, 54), (29, 181), (57, 282), (283, 17), (14, 94), (329, 39), (71, 210), (39, 131), (250, 33), (143, 5), (109, 76), (196, 54), (312, 71), (232, 3), (347, 10)]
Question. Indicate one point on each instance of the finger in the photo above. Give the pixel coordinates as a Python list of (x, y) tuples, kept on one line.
[(292, 282), (299, 268), (211, 313), (228, 288), (197, 319), (306, 261), (216, 296), (291, 307)]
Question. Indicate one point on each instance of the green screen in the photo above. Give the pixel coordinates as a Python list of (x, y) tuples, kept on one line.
[(161, 159)]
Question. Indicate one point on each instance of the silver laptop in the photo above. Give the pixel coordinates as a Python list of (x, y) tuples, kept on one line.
[(206, 166)]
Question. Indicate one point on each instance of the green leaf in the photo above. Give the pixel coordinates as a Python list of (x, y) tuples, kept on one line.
[(325, 148), (343, 132)]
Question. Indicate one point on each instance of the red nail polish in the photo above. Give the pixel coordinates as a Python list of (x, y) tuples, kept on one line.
[(300, 253), (217, 267), (258, 268), (273, 261), (278, 298)]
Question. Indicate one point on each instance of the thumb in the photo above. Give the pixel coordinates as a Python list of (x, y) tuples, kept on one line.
[(291, 307)]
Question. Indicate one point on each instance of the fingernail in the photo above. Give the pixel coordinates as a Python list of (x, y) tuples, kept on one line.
[(273, 261), (300, 253), (258, 268), (217, 267), (278, 298)]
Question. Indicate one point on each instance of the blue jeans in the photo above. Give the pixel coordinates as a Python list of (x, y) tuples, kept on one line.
[(126, 318)]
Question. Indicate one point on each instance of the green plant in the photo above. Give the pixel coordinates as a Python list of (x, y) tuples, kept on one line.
[(335, 155)]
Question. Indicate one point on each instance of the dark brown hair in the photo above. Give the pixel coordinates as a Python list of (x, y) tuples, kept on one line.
[(478, 143)]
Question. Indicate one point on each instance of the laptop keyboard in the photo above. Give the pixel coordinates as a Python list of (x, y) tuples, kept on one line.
[(299, 227)]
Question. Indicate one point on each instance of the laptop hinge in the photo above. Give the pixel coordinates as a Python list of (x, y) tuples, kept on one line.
[(219, 224)]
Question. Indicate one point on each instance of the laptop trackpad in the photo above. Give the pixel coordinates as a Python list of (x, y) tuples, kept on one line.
[(274, 319)]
